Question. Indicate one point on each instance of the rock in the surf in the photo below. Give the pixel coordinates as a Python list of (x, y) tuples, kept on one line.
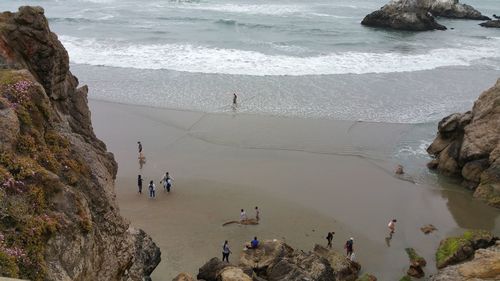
[(403, 15), (491, 23)]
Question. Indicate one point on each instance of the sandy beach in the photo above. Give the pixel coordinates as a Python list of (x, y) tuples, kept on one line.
[(308, 177)]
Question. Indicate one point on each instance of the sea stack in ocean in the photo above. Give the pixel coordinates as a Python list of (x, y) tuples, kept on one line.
[(418, 15), (58, 215), (403, 15), (468, 146), (491, 23)]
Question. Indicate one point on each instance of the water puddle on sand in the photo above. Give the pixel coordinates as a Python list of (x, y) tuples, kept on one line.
[(307, 176)]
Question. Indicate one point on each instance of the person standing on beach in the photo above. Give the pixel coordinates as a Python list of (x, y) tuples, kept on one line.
[(257, 213), (152, 189), (139, 148), (329, 238), (167, 181), (349, 247), (139, 183), (392, 227), (243, 215), (226, 251)]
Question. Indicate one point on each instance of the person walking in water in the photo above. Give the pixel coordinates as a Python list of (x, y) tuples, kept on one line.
[(167, 181), (226, 251), (329, 238), (243, 215), (139, 148), (235, 99), (349, 247), (392, 227), (257, 213), (152, 189), (139, 183)]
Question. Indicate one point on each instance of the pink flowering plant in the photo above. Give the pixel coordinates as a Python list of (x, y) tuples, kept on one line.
[(18, 92)]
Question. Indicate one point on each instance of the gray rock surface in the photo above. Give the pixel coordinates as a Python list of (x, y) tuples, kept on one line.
[(468, 146)]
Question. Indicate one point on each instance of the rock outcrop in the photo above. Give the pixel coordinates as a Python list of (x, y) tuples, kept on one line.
[(403, 15), (416, 263), (491, 23), (274, 260), (454, 250), (452, 9), (484, 266), (58, 216), (419, 15), (468, 146)]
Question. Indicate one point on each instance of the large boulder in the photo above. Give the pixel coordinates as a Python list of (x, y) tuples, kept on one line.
[(344, 268), (418, 15), (468, 146), (269, 253), (484, 266), (454, 250), (211, 269), (301, 266), (403, 15), (232, 273), (452, 9)]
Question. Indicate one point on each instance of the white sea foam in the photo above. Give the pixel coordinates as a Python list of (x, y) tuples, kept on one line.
[(202, 59), (252, 9)]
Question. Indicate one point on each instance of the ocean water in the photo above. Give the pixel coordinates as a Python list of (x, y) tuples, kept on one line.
[(309, 59)]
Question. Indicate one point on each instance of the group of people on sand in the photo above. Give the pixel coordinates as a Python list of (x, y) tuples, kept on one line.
[(166, 180), (226, 250)]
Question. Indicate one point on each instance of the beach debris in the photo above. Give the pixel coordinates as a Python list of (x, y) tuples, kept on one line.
[(416, 263), (426, 229), (399, 170), (242, 222)]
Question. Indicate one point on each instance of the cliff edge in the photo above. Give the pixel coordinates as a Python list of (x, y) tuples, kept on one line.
[(58, 216), (467, 146)]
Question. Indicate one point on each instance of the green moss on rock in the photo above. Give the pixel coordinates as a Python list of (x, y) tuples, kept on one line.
[(453, 250), (405, 278)]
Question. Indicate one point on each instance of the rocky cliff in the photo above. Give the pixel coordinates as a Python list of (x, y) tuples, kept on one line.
[(418, 15), (58, 216), (467, 146)]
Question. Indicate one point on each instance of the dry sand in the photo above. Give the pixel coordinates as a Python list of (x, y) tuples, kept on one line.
[(308, 177)]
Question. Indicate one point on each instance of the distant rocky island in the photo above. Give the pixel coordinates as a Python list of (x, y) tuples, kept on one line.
[(419, 15), (58, 215)]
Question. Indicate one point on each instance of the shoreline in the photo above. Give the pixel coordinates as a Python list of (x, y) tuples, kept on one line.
[(223, 162)]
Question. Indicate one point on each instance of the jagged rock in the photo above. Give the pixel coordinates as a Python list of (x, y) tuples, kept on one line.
[(147, 255), (47, 144), (468, 146), (184, 277), (301, 266), (416, 263), (210, 270), (452, 9), (232, 273), (344, 268), (268, 253), (418, 15), (491, 23), (484, 266), (454, 250), (402, 15)]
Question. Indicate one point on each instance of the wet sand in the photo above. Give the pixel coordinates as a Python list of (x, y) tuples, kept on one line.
[(307, 176)]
